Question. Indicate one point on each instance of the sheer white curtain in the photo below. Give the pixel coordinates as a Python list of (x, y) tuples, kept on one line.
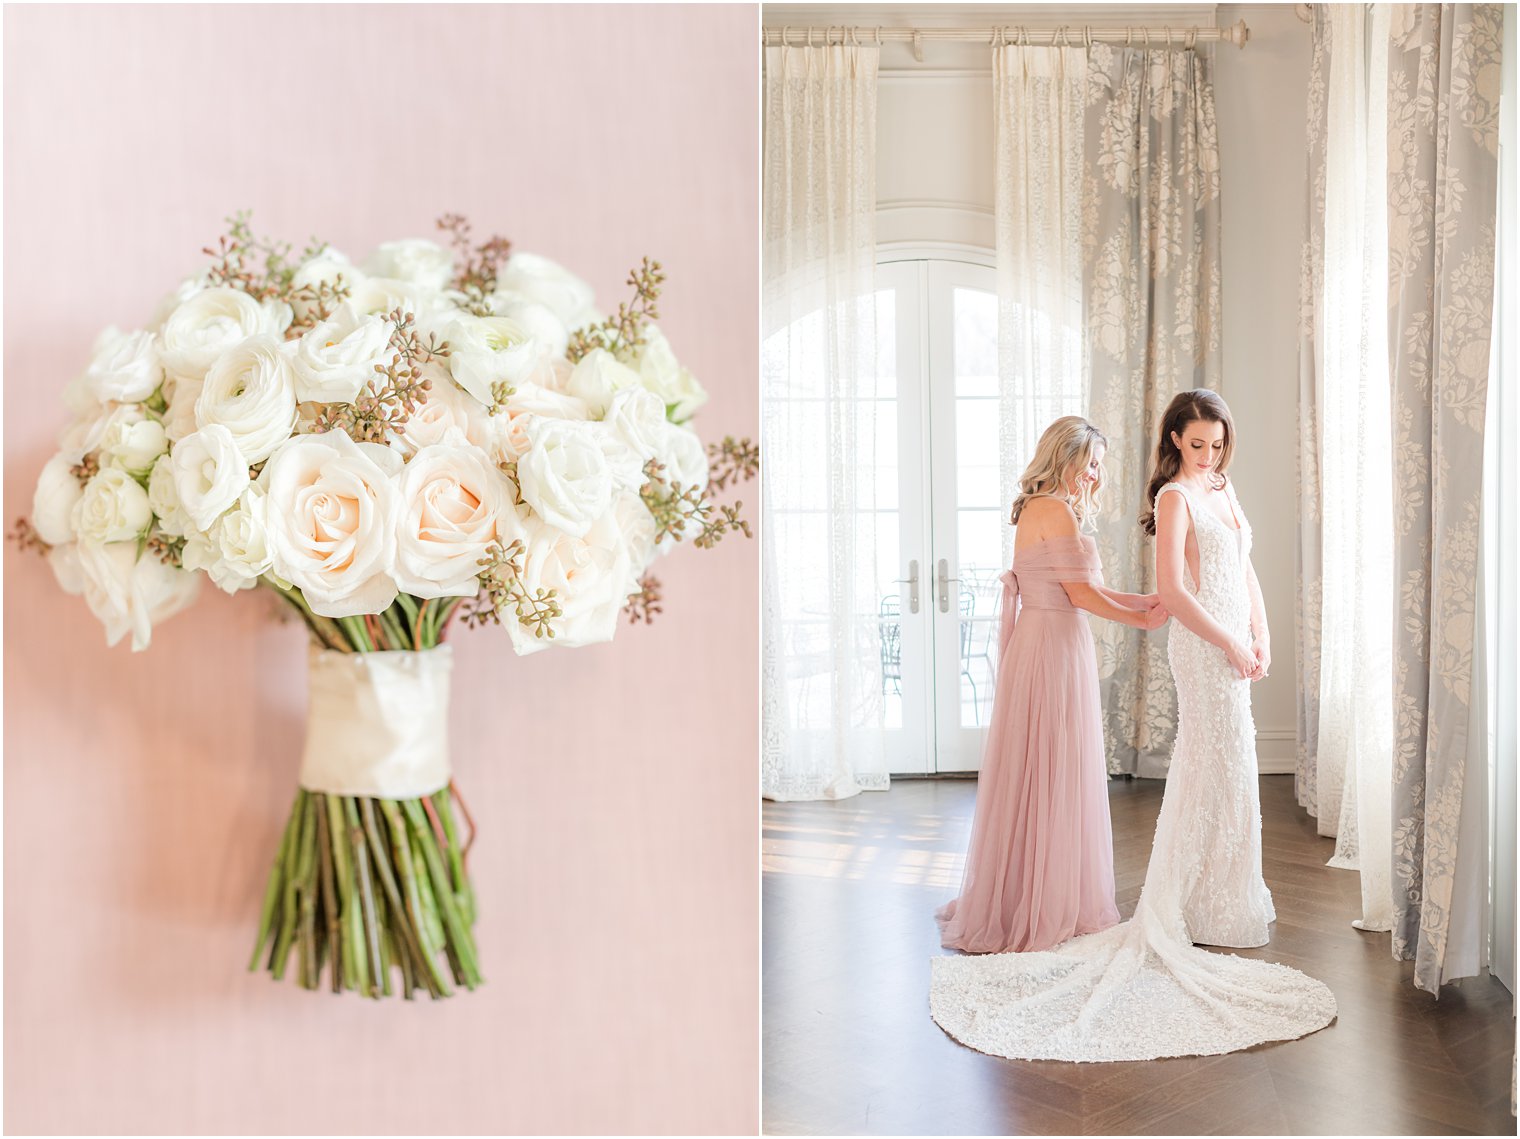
[(1038, 95), (1355, 744), (821, 658)]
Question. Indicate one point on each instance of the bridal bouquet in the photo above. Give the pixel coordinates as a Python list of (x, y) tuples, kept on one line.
[(438, 432)]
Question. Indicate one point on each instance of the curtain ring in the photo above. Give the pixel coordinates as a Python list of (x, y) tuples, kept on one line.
[(1087, 34), (1192, 40), (1129, 37), (1168, 37), (878, 35), (1147, 32)]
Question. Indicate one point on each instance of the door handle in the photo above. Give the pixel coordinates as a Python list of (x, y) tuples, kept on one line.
[(911, 581), (944, 585)]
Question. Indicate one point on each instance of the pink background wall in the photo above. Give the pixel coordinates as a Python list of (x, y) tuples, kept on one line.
[(617, 865)]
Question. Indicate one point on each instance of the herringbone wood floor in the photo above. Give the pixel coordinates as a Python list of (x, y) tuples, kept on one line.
[(849, 1047)]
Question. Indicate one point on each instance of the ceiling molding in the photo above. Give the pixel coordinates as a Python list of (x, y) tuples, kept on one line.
[(933, 15)]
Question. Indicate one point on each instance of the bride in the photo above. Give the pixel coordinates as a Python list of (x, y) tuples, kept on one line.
[(1141, 990)]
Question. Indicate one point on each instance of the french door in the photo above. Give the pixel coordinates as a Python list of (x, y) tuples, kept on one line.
[(937, 332)]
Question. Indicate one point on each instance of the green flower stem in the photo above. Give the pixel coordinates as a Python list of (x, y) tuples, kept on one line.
[(408, 948), (282, 858), (329, 893), (393, 631), (349, 921), (366, 893), (464, 897), (459, 932), (408, 876), (307, 878)]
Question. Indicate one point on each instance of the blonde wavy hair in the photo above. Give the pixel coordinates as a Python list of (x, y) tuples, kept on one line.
[(1066, 446)]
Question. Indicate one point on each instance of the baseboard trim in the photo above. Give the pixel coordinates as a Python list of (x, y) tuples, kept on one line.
[(1276, 751)]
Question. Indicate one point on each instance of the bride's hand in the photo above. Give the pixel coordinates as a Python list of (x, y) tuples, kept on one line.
[(1155, 616), (1243, 661), (1261, 648)]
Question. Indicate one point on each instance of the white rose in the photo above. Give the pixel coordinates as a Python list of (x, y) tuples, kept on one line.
[(323, 268), (210, 473), (506, 436), (130, 593), (638, 417), (449, 416), (454, 504), (539, 279), (132, 441), (241, 544), (597, 378), (53, 502), (564, 476), (125, 367), (662, 373), (163, 497), (380, 296), (212, 321), (250, 391), (591, 578), (638, 528), (684, 457), (332, 514), (337, 357), (83, 435), (181, 394), (417, 262), (113, 508), (486, 350), (537, 320)]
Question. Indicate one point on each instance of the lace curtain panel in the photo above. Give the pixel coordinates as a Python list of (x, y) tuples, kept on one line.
[(1039, 100), (1151, 283), (1443, 112), (821, 732)]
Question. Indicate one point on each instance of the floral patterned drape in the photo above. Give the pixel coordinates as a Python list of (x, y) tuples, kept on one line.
[(1152, 286), (1443, 111)]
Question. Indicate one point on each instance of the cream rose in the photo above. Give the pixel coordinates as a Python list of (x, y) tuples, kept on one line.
[(506, 436), (597, 379), (564, 476), (125, 367), (210, 322), (240, 542), (539, 279), (210, 473), (590, 575), (53, 502), (163, 497), (417, 262), (448, 416), (486, 350), (454, 504), (250, 391), (113, 508), (638, 418), (128, 593), (132, 441), (337, 357), (332, 514)]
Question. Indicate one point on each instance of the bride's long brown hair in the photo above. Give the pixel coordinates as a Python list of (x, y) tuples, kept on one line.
[(1186, 407)]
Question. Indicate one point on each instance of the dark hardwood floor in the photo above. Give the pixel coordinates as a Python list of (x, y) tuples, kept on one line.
[(849, 1047)]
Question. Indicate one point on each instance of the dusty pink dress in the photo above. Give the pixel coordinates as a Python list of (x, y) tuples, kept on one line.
[(1041, 864)]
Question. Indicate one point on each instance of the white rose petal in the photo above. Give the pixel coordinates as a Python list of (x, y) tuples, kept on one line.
[(448, 416), (241, 544), (537, 320), (590, 575), (128, 593), (597, 378), (132, 441), (53, 502), (210, 473), (113, 508), (250, 391), (380, 296), (662, 373), (541, 280), (454, 504), (332, 515), (181, 394), (337, 357), (64, 561), (506, 436), (125, 367), (163, 497), (487, 350), (212, 321), (417, 262), (324, 268), (564, 476)]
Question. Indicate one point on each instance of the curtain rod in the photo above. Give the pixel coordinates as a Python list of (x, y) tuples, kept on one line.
[(1071, 35)]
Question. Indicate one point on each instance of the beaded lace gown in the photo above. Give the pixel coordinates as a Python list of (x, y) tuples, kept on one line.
[(1142, 990)]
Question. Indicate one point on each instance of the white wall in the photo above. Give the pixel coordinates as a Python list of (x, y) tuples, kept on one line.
[(935, 183)]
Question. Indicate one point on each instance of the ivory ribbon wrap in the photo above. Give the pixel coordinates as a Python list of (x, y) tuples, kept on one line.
[(378, 723)]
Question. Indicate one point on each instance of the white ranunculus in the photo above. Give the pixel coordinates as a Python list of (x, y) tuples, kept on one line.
[(132, 441), (597, 379), (332, 513), (58, 492), (212, 321), (590, 575), (163, 497), (537, 320), (454, 504), (210, 473), (171, 301), (564, 475), (241, 544), (251, 391), (113, 508), (380, 296), (539, 279), (662, 373), (129, 593), (324, 268), (125, 367), (337, 357), (486, 350), (416, 261)]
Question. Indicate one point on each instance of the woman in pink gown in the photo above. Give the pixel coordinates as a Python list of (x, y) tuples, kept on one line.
[(1040, 868)]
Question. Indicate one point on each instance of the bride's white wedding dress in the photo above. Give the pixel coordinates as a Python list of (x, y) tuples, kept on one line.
[(1142, 990)]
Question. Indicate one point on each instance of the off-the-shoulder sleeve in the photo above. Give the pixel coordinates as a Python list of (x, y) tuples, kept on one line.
[(1061, 559)]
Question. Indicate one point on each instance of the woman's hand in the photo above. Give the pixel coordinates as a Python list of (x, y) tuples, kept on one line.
[(1155, 615), (1243, 661), (1261, 649)]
